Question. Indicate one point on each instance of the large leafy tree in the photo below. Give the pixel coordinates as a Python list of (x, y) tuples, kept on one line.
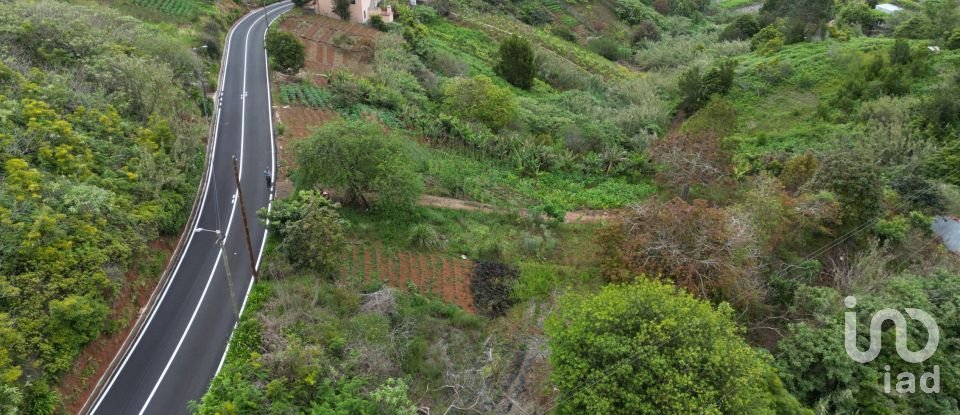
[(647, 348), (516, 63), (357, 157), (807, 12)]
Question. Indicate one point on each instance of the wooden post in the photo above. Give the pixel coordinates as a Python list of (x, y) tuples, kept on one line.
[(243, 214)]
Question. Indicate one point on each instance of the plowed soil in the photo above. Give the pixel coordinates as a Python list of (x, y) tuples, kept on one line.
[(446, 277)]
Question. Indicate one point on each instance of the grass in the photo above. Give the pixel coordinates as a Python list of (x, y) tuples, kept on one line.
[(778, 96), (735, 4), (454, 174), (182, 8)]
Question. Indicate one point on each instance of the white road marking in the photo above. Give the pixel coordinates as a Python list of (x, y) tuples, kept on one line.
[(273, 168), (203, 198), (226, 233), (186, 249)]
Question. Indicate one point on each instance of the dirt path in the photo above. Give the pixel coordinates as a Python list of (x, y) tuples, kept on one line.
[(577, 216)]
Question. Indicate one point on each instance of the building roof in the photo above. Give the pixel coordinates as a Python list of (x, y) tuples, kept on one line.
[(888, 8)]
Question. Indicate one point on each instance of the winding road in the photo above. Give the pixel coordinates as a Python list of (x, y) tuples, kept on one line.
[(183, 341)]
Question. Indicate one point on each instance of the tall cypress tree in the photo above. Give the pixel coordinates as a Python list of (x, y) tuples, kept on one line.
[(516, 62)]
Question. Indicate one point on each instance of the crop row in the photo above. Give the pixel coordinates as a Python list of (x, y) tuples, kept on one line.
[(304, 94)]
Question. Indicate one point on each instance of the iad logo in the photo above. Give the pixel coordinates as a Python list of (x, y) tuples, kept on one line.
[(906, 381)]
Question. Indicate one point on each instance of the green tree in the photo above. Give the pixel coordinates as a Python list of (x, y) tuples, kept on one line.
[(310, 230), (636, 11), (857, 184), (804, 12), (516, 63), (342, 8), (286, 51), (478, 99), (954, 41), (945, 164), (647, 348), (860, 13), (916, 27), (767, 41), (690, 84), (359, 158), (744, 27), (814, 366)]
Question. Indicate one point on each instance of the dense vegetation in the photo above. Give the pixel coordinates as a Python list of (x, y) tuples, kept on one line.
[(755, 166), (800, 153), (100, 153)]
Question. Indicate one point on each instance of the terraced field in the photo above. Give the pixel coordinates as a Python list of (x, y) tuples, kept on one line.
[(444, 276)]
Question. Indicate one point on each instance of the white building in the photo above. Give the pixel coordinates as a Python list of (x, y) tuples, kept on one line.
[(888, 8)]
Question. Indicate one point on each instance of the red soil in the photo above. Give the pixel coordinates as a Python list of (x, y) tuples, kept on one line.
[(331, 43), (446, 277)]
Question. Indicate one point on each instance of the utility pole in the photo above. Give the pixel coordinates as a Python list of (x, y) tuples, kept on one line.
[(266, 19), (243, 214), (226, 267)]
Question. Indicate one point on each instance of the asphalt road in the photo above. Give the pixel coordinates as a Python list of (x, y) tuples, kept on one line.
[(184, 340)]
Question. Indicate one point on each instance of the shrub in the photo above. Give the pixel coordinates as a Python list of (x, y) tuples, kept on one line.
[(535, 14), (310, 230), (478, 99), (894, 229), (492, 287), (607, 47), (424, 236), (857, 184), (954, 41), (516, 63), (645, 31), (696, 89), (377, 22), (743, 28), (859, 13), (286, 51), (798, 170), (635, 11), (916, 27), (609, 356), (560, 73), (448, 64), (425, 14), (767, 41)]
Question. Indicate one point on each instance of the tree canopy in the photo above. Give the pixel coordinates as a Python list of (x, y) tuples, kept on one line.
[(478, 99), (285, 51), (516, 63), (309, 228), (649, 348), (359, 158)]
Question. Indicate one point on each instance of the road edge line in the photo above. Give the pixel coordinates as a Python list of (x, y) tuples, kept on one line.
[(270, 197), (176, 257)]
